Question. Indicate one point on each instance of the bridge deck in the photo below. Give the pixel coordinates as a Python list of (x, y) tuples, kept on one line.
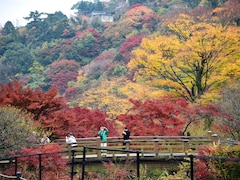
[(148, 146)]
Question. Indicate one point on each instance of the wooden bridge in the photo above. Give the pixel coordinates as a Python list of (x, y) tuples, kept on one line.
[(148, 146), (140, 149)]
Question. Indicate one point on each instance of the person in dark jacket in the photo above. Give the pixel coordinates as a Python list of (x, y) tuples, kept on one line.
[(126, 135)]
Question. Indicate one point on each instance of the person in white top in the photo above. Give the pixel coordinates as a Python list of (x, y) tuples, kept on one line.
[(71, 140), (45, 139)]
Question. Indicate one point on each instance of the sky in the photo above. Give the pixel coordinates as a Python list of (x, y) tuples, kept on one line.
[(15, 10)]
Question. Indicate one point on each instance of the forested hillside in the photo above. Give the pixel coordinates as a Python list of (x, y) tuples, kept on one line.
[(170, 64), (159, 67)]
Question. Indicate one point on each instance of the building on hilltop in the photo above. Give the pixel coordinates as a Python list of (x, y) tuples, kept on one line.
[(103, 16)]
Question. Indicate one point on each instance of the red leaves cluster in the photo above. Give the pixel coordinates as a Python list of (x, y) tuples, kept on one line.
[(52, 114), (64, 66), (218, 169), (155, 117), (71, 93), (60, 73), (81, 122), (61, 80), (150, 21), (35, 102), (53, 164), (128, 45), (165, 116)]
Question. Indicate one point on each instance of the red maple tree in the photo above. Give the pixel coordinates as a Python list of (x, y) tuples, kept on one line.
[(50, 112), (82, 122), (165, 116), (33, 101), (128, 45), (155, 117)]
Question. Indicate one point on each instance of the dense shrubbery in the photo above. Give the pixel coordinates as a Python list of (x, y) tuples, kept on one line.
[(54, 166), (216, 168), (215, 162)]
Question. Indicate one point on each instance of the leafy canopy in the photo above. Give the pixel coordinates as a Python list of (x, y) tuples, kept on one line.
[(194, 59), (155, 117), (13, 121)]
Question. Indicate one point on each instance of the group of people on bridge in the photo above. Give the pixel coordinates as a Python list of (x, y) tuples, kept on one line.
[(102, 133)]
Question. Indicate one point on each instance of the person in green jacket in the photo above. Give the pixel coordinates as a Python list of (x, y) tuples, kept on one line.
[(103, 135)]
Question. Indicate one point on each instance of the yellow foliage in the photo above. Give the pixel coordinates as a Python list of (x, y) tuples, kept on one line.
[(199, 59), (113, 96), (182, 26)]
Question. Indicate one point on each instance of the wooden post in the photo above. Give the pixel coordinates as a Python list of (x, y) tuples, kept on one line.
[(156, 149), (186, 146), (127, 146), (215, 139), (209, 134), (69, 148), (98, 143), (170, 147)]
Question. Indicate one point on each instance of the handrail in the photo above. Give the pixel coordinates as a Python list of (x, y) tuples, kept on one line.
[(143, 137), (139, 137), (156, 145), (192, 157), (147, 144), (11, 177)]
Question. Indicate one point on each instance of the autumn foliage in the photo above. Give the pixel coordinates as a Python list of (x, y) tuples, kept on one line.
[(82, 122), (155, 117), (127, 46), (166, 116), (62, 72), (217, 169), (88, 42), (53, 165), (50, 112), (99, 65), (137, 18), (171, 58), (34, 101), (193, 61)]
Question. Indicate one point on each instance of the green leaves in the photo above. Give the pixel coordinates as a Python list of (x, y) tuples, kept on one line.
[(15, 130), (18, 56)]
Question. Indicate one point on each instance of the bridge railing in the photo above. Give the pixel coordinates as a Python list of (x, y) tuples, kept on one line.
[(147, 145), (191, 159)]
